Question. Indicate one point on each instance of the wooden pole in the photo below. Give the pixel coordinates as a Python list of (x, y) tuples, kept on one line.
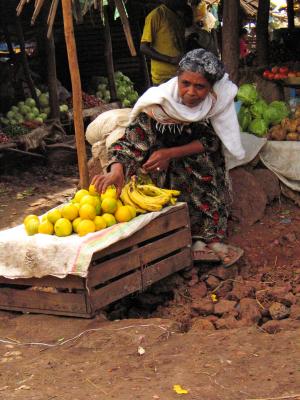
[(262, 23), (230, 38), (76, 92), (291, 14), (52, 80), (108, 53)]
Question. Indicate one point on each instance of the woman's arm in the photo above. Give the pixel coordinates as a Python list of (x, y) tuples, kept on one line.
[(159, 160)]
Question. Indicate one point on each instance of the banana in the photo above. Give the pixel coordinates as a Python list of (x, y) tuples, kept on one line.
[(127, 201), (173, 201), (155, 195), (145, 202), (172, 192)]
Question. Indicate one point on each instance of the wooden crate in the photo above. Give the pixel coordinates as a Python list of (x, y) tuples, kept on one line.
[(131, 265)]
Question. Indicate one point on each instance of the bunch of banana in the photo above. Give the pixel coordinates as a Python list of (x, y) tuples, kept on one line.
[(147, 197)]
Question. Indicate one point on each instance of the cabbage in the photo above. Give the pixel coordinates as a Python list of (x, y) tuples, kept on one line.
[(30, 102), (244, 118), (258, 109), (259, 127), (281, 107), (274, 115), (247, 94)]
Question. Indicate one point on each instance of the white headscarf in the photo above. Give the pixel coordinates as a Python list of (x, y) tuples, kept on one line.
[(219, 110)]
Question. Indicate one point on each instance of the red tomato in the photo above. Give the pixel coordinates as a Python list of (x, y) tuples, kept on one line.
[(283, 70), (275, 70), (271, 76), (277, 77), (266, 73)]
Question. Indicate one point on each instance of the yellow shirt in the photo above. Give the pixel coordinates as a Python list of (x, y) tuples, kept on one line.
[(164, 29)]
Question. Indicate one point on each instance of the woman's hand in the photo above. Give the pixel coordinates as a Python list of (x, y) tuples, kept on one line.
[(114, 177), (158, 161)]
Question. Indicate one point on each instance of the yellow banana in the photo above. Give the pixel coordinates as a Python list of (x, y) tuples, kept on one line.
[(173, 201), (172, 192), (161, 198), (145, 202), (127, 201)]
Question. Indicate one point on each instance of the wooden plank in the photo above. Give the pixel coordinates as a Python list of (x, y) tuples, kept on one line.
[(174, 219), (24, 299), (70, 281), (109, 269), (49, 312), (115, 290), (166, 245), (167, 267)]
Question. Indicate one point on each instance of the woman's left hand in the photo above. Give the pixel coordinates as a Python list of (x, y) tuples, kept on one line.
[(158, 161)]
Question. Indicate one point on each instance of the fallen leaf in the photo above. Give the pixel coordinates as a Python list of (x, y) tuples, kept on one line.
[(23, 387), (141, 350)]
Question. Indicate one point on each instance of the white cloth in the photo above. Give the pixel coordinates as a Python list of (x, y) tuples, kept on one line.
[(23, 256), (220, 112)]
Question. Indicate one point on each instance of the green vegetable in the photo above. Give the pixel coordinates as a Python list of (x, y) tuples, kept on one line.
[(244, 117), (258, 108), (44, 100), (247, 94), (274, 115), (281, 107), (258, 127), (30, 102)]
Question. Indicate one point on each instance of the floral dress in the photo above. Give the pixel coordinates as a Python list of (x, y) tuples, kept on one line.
[(200, 177)]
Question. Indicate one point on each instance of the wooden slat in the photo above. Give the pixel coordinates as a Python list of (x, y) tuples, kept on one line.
[(167, 267), (109, 269), (25, 299), (166, 245), (115, 290), (70, 281), (174, 219)]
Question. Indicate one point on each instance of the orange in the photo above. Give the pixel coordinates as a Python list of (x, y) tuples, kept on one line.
[(123, 214), (109, 205), (87, 211)]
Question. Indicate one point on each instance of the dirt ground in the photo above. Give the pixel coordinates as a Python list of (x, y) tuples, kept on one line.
[(48, 357)]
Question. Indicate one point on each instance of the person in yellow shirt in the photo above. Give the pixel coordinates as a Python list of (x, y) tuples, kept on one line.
[(163, 39)]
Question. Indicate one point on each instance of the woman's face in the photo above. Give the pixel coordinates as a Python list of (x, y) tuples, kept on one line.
[(193, 88)]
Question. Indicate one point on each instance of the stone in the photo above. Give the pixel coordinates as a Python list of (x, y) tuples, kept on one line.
[(198, 291), (200, 324), (295, 311), (268, 182), (203, 307), (224, 273), (249, 310), (279, 311), (273, 326), (227, 323), (249, 199), (224, 289), (296, 289), (241, 289), (212, 281), (281, 294), (290, 237), (224, 307)]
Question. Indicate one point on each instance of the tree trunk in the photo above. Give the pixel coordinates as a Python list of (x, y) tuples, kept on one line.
[(25, 63), (262, 36), (52, 79), (76, 92), (230, 38), (291, 14), (108, 54)]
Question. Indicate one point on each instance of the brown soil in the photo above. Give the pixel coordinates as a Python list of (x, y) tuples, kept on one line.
[(215, 350)]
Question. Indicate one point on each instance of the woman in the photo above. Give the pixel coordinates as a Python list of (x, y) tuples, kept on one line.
[(175, 136)]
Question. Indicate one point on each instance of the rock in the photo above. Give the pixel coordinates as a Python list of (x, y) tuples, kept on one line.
[(295, 311), (240, 290), (268, 182), (198, 291), (273, 327), (224, 289), (224, 273), (212, 281), (224, 307), (200, 324), (290, 237), (279, 311), (296, 289), (212, 318), (203, 307), (281, 294), (249, 199), (249, 310), (227, 323)]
